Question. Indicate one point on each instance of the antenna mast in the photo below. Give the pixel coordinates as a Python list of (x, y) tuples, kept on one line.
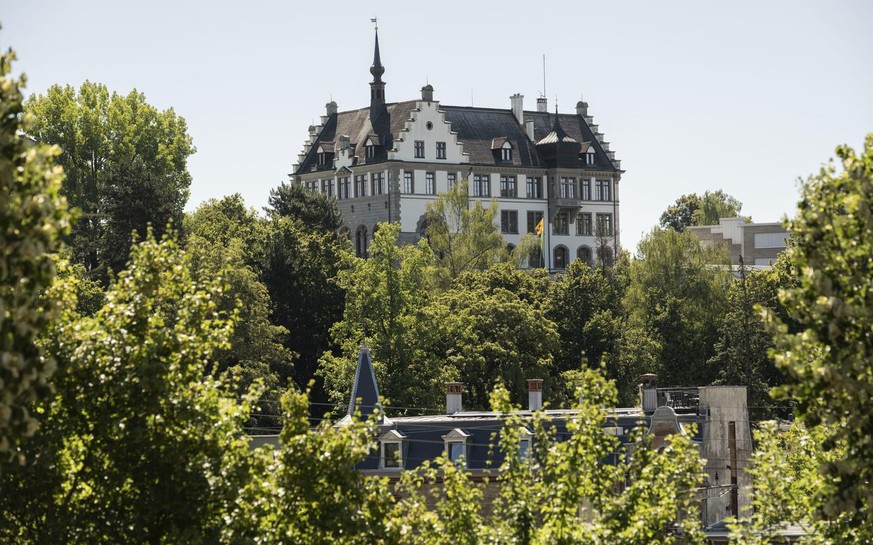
[(544, 76)]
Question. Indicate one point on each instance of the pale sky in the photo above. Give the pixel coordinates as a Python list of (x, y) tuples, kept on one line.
[(744, 96)]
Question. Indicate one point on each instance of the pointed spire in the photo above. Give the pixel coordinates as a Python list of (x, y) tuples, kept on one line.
[(377, 86), (377, 69), (365, 390)]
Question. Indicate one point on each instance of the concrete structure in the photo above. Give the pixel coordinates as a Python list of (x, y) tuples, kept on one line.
[(386, 162), (757, 243)]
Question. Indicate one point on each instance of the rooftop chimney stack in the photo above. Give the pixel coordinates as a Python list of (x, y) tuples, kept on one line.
[(529, 128), (518, 107), (453, 397), (542, 104), (343, 143), (427, 93), (649, 392), (330, 108), (582, 108), (534, 394)]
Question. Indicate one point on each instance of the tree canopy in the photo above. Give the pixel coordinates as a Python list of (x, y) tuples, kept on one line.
[(694, 210), (113, 148)]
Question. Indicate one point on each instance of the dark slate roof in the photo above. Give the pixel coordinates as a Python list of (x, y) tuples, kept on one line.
[(476, 128), (365, 390)]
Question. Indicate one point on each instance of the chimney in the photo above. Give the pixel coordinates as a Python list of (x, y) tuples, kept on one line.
[(582, 108), (453, 397), (534, 394), (649, 392), (427, 93), (518, 107), (330, 108), (529, 129), (542, 104)]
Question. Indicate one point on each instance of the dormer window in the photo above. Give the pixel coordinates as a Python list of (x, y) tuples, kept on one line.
[(506, 152), (525, 442), (392, 450), (321, 156), (370, 149), (457, 443), (589, 156)]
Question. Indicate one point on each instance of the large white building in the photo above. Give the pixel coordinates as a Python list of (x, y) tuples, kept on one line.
[(386, 162)]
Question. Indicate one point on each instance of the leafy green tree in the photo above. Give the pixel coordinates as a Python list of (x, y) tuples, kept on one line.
[(312, 209), (496, 336), (742, 352), (32, 215), (386, 300), (675, 300), (309, 491), (298, 267), (141, 444), (786, 484), (112, 146), (693, 209), (462, 234), (226, 240), (135, 201), (829, 361), (585, 304)]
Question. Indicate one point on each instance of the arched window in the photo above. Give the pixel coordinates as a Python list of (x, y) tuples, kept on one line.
[(605, 255), (584, 253), (361, 241), (535, 259), (589, 156), (560, 258)]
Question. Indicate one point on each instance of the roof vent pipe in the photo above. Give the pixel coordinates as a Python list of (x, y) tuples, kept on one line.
[(453, 397), (534, 394)]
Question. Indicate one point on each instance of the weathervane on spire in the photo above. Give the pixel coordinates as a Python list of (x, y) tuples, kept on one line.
[(375, 21)]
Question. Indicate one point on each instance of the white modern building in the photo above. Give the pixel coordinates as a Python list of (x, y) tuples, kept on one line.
[(756, 244), (387, 161)]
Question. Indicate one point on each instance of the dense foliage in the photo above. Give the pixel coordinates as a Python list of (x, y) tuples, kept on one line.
[(32, 216)]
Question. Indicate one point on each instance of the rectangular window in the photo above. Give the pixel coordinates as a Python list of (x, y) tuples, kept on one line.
[(506, 155), (601, 189), (534, 188), (430, 183), (456, 452), (409, 182), (586, 189), (508, 186), (419, 149), (523, 449), (451, 178), (441, 150), (604, 224), (327, 187), (509, 221), (311, 186), (562, 224), (533, 218), (344, 185), (583, 224), (377, 183), (360, 185), (392, 455), (370, 151), (481, 185), (568, 188)]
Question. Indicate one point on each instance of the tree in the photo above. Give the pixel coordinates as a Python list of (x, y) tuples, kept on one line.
[(693, 210), (829, 361), (141, 443), (313, 210), (676, 298), (462, 233), (226, 240), (103, 136), (386, 307), (135, 201), (32, 216), (298, 267)]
